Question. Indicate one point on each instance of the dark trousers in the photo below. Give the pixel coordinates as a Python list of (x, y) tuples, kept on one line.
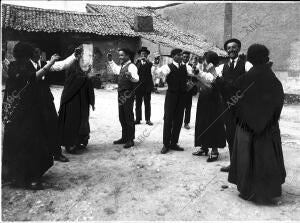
[(140, 96), (230, 125), (187, 108), (126, 116), (173, 117)]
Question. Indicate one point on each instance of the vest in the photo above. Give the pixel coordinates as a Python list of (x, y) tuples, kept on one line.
[(230, 76), (145, 76), (177, 79), (123, 82)]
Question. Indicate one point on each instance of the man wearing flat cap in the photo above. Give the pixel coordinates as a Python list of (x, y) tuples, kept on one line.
[(176, 77), (145, 86), (230, 71)]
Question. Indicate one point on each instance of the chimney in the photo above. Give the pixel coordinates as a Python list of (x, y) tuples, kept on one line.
[(228, 22), (143, 24)]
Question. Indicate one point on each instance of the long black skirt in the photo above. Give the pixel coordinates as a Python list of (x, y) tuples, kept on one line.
[(257, 166), (73, 125), (209, 128), (26, 156), (51, 120)]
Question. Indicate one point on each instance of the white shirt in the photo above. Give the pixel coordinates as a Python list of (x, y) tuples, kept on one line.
[(219, 69), (163, 71), (132, 69), (234, 61), (189, 69), (207, 78), (58, 65)]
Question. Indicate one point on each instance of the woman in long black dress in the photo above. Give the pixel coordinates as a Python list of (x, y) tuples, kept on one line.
[(25, 154), (73, 120), (257, 165), (209, 128)]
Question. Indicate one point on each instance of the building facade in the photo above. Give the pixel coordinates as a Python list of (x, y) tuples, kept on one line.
[(102, 29)]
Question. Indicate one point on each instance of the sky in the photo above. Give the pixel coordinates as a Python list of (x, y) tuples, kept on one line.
[(79, 6)]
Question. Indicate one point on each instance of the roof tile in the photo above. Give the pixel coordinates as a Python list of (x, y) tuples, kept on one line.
[(103, 20)]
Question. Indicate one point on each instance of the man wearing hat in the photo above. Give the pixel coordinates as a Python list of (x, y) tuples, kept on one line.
[(145, 86), (176, 77), (231, 70)]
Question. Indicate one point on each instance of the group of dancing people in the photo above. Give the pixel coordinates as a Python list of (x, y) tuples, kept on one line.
[(239, 101), (33, 131)]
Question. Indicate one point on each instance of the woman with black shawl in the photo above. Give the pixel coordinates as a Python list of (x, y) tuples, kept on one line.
[(209, 127), (73, 121), (257, 166), (26, 156)]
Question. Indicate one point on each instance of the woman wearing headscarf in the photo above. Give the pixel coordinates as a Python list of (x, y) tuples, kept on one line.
[(209, 127), (257, 166), (76, 99), (26, 156)]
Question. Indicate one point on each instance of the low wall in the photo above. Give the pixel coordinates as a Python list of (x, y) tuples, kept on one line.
[(291, 84)]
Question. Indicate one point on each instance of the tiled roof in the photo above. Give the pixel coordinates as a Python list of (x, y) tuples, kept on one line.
[(103, 20), (164, 33), (47, 20)]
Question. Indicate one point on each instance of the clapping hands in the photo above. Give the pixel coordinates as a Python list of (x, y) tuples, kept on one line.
[(210, 67), (54, 58)]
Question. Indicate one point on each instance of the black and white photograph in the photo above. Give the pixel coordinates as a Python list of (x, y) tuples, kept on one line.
[(150, 110)]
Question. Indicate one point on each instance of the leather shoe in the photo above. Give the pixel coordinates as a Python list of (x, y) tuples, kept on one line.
[(149, 123), (176, 148), (186, 126), (225, 169), (128, 144), (213, 157), (164, 150), (35, 185), (137, 122), (120, 141), (201, 152), (61, 158)]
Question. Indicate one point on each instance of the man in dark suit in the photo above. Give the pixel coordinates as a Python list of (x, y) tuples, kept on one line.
[(176, 78), (144, 87), (127, 78), (191, 92), (49, 110), (231, 70)]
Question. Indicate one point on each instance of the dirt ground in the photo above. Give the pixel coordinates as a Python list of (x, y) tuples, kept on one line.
[(111, 183)]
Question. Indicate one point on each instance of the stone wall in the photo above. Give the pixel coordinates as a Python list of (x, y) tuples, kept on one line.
[(277, 25)]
